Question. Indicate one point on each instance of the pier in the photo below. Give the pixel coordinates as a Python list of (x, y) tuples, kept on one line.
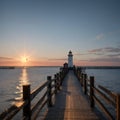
[(70, 95), (70, 102)]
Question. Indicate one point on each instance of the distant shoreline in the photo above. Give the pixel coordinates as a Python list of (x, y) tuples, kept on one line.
[(101, 67), (84, 67), (7, 67)]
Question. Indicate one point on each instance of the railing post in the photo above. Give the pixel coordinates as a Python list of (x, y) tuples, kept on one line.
[(55, 76), (77, 72), (92, 104), (26, 97), (58, 81), (79, 75), (82, 77), (49, 91), (118, 107), (85, 83), (60, 78)]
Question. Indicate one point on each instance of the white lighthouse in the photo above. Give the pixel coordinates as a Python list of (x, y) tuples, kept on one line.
[(70, 60)]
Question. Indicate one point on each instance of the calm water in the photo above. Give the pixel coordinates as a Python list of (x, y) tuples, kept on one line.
[(110, 78), (11, 81)]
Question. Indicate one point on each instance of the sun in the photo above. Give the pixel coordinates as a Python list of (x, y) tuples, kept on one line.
[(24, 59)]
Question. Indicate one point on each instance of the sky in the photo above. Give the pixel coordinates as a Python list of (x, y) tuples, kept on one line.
[(44, 31)]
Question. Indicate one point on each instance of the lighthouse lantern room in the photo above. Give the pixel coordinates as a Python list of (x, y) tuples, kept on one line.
[(70, 60)]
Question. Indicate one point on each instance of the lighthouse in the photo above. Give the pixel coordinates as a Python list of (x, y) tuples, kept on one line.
[(70, 60)]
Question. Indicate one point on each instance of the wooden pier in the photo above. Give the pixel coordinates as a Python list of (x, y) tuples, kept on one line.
[(70, 95), (70, 103)]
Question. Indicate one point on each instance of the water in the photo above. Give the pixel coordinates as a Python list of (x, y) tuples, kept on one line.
[(11, 81), (109, 78)]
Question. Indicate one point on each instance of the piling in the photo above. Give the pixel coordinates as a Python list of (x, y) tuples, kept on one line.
[(92, 104), (49, 91), (55, 76), (26, 97), (118, 107), (85, 84)]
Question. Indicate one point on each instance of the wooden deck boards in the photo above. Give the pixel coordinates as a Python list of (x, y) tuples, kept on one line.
[(70, 103)]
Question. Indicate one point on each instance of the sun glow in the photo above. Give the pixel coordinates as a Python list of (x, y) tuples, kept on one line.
[(24, 59)]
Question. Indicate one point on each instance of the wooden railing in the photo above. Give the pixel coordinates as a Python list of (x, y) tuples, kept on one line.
[(99, 95), (30, 112)]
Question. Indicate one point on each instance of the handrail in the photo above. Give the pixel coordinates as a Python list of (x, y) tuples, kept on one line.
[(12, 110), (34, 116), (108, 100), (103, 108), (110, 93), (25, 104), (36, 91), (103, 93), (38, 103)]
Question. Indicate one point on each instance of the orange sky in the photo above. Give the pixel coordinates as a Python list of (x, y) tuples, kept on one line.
[(32, 63), (54, 63)]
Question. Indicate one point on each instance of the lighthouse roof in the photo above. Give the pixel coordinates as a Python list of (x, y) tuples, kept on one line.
[(70, 53)]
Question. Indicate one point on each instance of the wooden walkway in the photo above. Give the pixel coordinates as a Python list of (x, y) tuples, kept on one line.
[(70, 103)]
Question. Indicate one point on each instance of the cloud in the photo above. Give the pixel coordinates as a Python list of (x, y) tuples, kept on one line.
[(5, 59), (84, 60), (111, 49), (58, 59), (100, 36), (81, 54), (114, 55), (105, 50), (95, 50), (107, 54), (107, 59)]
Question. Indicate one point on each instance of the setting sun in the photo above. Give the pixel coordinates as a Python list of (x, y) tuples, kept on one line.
[(24, 59)]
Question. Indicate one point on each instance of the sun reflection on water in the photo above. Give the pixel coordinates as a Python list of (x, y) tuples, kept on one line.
[(23, 80)]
